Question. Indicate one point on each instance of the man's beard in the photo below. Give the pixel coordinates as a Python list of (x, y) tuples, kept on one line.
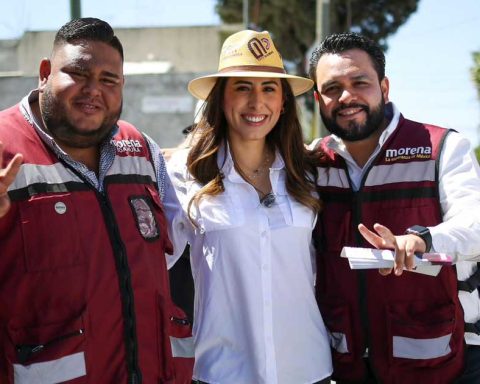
[(62, 129), (356, 131)]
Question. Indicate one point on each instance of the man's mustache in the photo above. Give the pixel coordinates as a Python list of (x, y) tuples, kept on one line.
[(352, 105)]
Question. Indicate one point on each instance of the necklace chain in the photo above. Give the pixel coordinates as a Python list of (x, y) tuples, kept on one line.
[(260, 170), (266, 198)]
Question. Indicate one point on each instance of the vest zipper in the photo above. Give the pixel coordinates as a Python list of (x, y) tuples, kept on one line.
[(124, 279), (126, 290), (134, 379), (25, 351), (362, 274)]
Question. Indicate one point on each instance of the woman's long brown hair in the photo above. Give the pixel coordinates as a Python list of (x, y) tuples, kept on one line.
[(286, 136)]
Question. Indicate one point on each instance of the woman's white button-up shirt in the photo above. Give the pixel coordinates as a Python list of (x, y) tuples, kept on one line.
[(256, 318)]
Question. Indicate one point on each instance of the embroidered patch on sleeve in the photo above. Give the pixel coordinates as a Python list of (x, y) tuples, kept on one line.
[(146, 222)]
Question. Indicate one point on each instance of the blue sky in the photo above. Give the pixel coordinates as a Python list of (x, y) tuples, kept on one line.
[(428, 60)]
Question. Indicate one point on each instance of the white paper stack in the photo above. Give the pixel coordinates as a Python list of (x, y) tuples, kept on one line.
[(370, 258)]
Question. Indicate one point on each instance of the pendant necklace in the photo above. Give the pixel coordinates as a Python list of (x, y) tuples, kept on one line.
[(267, 199), (260, 170)]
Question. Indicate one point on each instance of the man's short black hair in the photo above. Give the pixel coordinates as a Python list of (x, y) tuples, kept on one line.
[(88, 28), (341, 42)]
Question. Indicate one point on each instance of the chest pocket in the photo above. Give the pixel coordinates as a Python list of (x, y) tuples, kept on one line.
[(302, 216), (295, 213), (50, 233), (219, 212)]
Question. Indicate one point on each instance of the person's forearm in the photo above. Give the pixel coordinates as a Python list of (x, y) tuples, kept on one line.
[(459, 190)]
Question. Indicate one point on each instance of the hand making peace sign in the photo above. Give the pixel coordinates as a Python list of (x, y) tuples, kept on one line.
[(7, 175)]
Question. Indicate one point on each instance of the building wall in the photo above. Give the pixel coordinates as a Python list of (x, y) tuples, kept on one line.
[(13, 88), (33, 47), (8, 55), (160, 105), (189, 49)]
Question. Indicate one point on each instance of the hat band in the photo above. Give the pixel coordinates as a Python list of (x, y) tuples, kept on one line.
[(252, 68)]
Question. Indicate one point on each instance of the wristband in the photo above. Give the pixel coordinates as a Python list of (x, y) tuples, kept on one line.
[(423, 233)]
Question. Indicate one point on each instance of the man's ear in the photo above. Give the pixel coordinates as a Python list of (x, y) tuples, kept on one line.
[(316, 96), (385, 87), (44, 73)]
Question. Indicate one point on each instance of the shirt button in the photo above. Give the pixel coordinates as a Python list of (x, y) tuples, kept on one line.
[(265, 267)]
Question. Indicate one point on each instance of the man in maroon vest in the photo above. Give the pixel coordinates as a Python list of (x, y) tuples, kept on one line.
[(397, 176), (84, 201)]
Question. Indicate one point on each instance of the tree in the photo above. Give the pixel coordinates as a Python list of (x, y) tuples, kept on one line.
[(292, 22), (293, 35), (476, 71)]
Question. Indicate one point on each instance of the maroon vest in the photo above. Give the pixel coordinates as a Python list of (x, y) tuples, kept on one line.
[(83, 273), (412, 325)]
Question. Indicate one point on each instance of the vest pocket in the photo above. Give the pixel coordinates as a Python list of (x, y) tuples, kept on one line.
[(338, 320), (420, 337), (50, 233), (181, 342), (48, 353), (165, 359), (176, 353)]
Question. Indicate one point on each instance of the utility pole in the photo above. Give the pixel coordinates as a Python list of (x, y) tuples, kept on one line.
[(246, 22), (75, 9), (322, 30), (349, 15)]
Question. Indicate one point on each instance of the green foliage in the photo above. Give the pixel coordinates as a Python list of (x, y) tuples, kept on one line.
[(376, 19), (476, 72), (292, 22), (230, 11), (477, 153)]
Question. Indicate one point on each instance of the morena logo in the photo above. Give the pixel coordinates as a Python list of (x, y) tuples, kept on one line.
[(408, 153), (127, 145), (259, 48)]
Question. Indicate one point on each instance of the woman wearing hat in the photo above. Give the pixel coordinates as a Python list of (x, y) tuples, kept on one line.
[(246, 188)]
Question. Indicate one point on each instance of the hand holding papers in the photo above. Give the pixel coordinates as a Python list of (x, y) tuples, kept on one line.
[(370, 258)]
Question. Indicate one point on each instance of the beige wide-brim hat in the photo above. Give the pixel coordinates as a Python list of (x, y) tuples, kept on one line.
[(248, 54)]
